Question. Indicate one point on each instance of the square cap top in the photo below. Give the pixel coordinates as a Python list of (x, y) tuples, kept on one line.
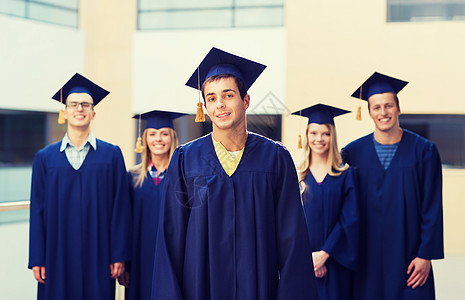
[(377, 84), (157, 119), (219, 62), (321, 113), (80, 84)]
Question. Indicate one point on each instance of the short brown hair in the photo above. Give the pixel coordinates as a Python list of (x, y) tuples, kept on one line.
[(240, 85), (396, 100)]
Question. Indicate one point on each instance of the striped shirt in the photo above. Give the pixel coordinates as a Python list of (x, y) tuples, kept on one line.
[(385, 152), (77, 156)]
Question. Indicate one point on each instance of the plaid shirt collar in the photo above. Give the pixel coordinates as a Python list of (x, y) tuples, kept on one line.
[(90, 139)]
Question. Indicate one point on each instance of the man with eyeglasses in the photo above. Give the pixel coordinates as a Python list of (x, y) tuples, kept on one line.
[(80, 210)]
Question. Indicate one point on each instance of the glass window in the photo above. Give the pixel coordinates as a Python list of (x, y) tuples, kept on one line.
[(446, 131), (60, 12), (425, 10), (185, 14), (13, 7), (23, 133), (185, 19)]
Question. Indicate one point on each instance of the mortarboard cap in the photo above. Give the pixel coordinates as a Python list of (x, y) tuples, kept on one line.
[(377, 84), (321, 113), (218, 62), (80, 84), (159, 119)]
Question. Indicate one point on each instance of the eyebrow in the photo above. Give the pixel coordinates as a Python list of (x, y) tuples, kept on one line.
[(223, 91)]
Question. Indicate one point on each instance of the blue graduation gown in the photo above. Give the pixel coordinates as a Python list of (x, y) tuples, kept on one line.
[(401, 216), (238, 237), (145, 201), (79, 222), (331, 209)]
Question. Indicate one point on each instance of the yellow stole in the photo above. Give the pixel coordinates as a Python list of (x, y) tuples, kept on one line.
[(228, 163)]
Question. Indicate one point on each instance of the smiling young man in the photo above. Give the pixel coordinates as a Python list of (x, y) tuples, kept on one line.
[(400, 180), (80, 211), (232, 224)]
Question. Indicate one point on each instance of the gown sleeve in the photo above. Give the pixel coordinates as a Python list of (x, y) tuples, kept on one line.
[(297, 279), (37, 226), (432, 241), (121, 214), (171, 238), (342, 242)]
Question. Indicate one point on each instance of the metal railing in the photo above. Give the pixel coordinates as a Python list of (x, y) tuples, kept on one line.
[(17, 205)]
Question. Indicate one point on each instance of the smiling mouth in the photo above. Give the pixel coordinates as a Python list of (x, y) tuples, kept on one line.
[(384, 120), (224, 115)]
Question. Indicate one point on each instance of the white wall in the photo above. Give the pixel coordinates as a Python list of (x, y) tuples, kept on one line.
[(35, 60), (159, 80)]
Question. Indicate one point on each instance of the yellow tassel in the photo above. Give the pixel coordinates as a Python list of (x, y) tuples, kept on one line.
[(61, 119), (139, 147), (358, 116), (200, 116), (299, 144)]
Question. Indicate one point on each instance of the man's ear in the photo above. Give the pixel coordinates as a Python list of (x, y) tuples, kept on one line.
[(246, 101)]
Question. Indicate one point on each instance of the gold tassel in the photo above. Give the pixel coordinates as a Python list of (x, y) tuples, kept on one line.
[(299, 144), (358, 116), (200, 116), (139, 147), (61, 119)]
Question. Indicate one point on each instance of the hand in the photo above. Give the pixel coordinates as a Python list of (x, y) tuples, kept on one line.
[(124, 279), (319, 259), (39, 273), (421, 268), (116, 269), (321, 272)]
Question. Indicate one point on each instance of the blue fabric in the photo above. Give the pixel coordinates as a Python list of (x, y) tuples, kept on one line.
[(219, 62), (385, 152), (79, 222), (145, 202), (377, 84), (400, 213), (80, 84), (238, 237), (321, 113), (331, 209)]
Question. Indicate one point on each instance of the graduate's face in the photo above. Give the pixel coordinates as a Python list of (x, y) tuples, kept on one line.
[(319, 138), (79, 117), (384, 111), (224, 104), (159, 141)]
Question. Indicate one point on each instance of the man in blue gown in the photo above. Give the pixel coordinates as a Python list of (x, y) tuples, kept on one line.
[(400, 180), (232, 224), (80, 207)]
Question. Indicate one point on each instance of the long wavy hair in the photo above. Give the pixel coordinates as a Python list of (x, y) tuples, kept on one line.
[(140, 170), (334, 165)]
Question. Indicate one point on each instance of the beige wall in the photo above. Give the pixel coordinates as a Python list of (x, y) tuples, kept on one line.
[(108, 26), (333, 46)]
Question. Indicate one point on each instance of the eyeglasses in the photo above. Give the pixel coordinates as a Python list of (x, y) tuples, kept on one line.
[(85, 105)]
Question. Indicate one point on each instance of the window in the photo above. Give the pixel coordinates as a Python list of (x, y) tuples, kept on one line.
[(425, 10), (184, 14), (60, 12), (23, 133), (446, 131)]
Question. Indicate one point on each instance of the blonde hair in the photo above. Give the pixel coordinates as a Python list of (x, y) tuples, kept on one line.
[(140, 170), (334, 164)]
